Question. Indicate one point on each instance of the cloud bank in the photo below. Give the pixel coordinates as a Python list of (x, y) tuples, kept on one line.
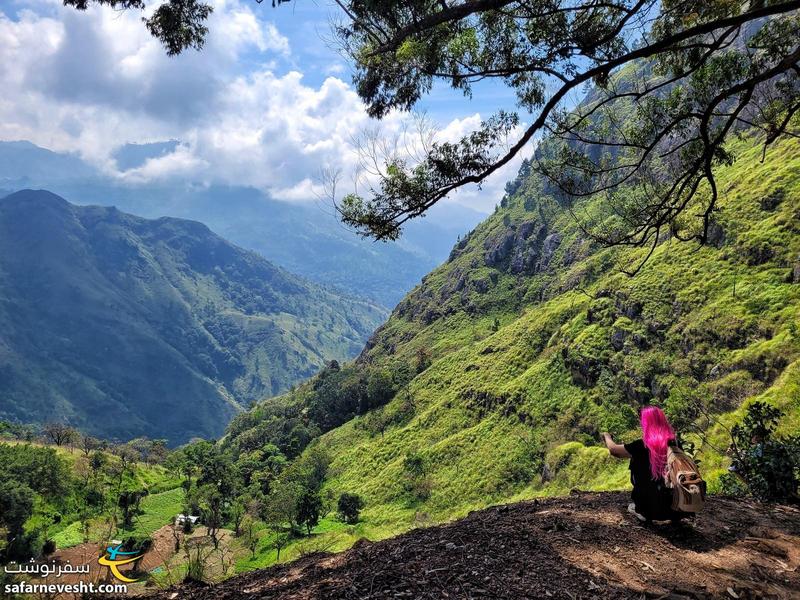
[(241, 109)]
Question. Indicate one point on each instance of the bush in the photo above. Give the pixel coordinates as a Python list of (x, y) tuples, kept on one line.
[(731, 485), (349, 507), (767, 465), (417, 485)]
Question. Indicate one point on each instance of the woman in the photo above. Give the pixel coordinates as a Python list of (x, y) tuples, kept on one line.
[(652, 499)]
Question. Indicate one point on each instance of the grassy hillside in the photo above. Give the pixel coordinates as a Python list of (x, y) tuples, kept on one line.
[(529, 341), (127, 327)]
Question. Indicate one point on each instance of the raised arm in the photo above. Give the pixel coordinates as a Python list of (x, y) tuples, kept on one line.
[(616, 450)]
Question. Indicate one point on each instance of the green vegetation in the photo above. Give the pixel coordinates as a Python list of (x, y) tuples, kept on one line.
[(70, 497), (156, 510), (534, 341), (489, 383), (108, 318), (768, 466)]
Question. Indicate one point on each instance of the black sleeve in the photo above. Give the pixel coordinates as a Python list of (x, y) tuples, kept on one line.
[(635, 448)]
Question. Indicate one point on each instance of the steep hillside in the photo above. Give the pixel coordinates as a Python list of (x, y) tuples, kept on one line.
[(508, 360), (305, 238), (128, 327)]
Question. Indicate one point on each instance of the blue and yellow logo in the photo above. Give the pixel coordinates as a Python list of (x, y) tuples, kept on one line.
[(112, 561)]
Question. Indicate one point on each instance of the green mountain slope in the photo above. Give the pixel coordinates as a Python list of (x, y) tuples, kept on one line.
[(537, 342), (127, 327)]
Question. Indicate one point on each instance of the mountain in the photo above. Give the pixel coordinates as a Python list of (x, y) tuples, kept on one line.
[(125, 326), (492, 379), (305, 238)]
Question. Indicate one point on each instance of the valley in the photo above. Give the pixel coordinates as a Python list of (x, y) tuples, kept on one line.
[(107, 318)]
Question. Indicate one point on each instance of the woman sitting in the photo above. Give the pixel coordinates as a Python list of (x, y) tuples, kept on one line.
[(652, 499)]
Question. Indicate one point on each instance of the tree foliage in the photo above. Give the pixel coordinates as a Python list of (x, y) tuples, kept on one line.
[(349, 507), (672, 81), (177, 24), (769, 465)]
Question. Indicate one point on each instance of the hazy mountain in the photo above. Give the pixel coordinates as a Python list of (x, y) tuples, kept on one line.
[(305, 238), (126, 326)]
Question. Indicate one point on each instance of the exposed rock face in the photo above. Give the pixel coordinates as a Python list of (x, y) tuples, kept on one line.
[(498, 250), (549, 246), (716, 234), (759, 254), (522, 250), (770, 202), (618, 339)]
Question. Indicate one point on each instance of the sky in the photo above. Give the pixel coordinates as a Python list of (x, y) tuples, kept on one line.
[(267, 103)]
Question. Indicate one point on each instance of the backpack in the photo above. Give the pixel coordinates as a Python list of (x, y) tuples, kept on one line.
[(683, 478)]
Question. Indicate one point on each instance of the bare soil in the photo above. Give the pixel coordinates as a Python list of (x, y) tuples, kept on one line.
[(581, 546)]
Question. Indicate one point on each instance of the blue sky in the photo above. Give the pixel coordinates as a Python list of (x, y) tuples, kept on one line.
[(267, 103)]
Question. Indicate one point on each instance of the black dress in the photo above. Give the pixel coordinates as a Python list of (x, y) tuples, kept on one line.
[(653, 499)]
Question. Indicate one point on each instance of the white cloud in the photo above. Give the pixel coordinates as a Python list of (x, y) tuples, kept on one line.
[(180, 163), (93, 81), (489, 193)]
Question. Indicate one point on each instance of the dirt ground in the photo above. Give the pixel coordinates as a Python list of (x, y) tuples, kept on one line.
[(87, 554), (579, 547), (162, 554)]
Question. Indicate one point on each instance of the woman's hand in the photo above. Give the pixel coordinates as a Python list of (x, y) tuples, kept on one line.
[(616, 450)]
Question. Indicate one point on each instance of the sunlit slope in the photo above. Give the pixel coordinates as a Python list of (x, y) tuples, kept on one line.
[(579, 346)]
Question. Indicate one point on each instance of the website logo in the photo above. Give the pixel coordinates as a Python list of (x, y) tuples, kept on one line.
[(115, 558)]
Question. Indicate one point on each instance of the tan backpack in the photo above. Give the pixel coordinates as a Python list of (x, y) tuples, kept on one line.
[(682, 476)]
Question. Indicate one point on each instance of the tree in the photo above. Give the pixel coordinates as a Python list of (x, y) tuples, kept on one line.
[(129, 501), (349, 507), (97, 462), (237, 511), (251, 535), (423, 359), (16, 506), (212, 505), (279, 542), (280, 507), (88, 444), (218, 483), (309, 507), (691, 78), (59, 433), (769, 465)]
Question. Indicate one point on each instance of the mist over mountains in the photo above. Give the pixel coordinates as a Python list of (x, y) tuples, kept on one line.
[(305, 238)]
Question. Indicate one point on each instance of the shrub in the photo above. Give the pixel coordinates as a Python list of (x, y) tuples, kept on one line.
[(767, 465), (349, 507)]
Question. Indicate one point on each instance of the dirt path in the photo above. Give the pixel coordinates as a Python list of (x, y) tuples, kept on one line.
[(581, 546)]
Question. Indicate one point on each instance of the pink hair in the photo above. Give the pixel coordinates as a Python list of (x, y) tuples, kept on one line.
[(657, 433)]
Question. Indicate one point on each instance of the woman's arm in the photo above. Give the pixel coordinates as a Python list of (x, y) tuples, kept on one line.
[(616, 450)]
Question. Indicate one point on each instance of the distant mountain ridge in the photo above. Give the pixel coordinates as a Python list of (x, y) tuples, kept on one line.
[(125, 326), (304, 238)]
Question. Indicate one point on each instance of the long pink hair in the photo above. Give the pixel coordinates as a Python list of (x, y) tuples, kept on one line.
[(657, 433)]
